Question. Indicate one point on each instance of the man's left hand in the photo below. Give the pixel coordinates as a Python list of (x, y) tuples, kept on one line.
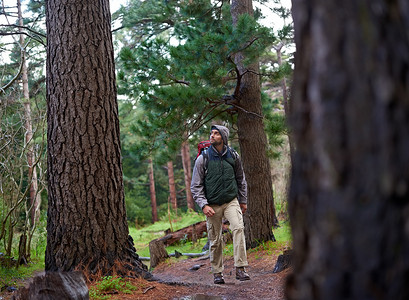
[(243, 207)]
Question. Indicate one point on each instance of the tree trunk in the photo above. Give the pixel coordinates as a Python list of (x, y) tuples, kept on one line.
[(152, 193), (86, 224), (35, 199), (253, 144), (349, 195), (187, 169), (285, 95), (172, 187), (22, 250), (157, 252)]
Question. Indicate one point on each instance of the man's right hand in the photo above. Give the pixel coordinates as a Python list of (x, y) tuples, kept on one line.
[(208, 211)]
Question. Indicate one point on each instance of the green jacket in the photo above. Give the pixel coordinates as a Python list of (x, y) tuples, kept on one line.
[(220, 181), (218, 190)]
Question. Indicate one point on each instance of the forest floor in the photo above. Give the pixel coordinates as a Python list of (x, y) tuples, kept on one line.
[(177, 282)]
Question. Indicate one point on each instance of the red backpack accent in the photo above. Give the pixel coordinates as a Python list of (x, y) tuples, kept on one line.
[(202, 146)]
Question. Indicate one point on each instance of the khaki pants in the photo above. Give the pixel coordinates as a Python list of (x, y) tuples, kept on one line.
[(232, 212)]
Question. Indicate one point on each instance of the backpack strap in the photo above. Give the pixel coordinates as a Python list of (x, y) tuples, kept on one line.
[(205, 155), (205, 160), (235, 157)]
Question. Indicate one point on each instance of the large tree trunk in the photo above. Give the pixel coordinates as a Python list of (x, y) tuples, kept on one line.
[(172, 186), (349, 195), (253, 144), (152, 192), (87, 226), (187, 169)]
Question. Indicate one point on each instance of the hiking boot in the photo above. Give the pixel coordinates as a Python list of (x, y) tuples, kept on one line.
[(218, 278), (241, 274)]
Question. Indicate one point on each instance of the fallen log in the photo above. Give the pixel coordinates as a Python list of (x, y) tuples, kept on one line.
[(190, 233), (178, 254), (190, 255)]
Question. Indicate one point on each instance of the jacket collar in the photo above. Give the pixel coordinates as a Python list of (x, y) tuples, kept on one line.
[(223, 152)]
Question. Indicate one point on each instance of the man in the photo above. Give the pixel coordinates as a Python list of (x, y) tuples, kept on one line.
[(219, 188)]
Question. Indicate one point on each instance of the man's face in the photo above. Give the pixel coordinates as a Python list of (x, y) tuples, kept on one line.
[(215, 138)]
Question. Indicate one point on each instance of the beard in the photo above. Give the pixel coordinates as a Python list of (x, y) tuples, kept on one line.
[(216, 143)]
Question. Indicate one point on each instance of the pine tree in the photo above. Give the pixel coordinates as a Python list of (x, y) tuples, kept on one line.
[(86, 226), (204, 77)]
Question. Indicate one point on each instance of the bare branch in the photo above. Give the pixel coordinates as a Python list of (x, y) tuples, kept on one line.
[(248, 112), (5, 87), (23, 27)]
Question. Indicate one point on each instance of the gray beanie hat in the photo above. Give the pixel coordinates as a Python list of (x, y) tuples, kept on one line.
[(224, 132)]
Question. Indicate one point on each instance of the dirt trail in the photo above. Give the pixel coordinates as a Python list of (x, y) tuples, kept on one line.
[(264, 284), (177, 282)]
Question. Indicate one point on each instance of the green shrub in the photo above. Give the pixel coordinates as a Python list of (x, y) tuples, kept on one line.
[(110, 284)]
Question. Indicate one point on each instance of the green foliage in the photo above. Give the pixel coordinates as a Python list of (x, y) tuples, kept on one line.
[(283, 238), (109, 284), (177, 69), (183, 84), (143, 236), (188, 246), (276, 128), (137, 193), (14, 173), (135, 170), (38, 242), (15, 276), (283, 233)]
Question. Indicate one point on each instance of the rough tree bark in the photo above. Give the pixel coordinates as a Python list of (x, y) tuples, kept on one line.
[(157, 252), (349, 195), (86, 225), (253, 144), (152, 192)]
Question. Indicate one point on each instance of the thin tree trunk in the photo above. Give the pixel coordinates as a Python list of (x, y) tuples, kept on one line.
[(187, 169), (35, 199), (86, 222), (172, 187), (9, 244), (286, 107), (253, 144), (349, 195), (152, 192), (284, 92)]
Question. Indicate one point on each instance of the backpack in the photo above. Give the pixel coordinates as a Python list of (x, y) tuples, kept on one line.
[(202, 150), (202, 146)]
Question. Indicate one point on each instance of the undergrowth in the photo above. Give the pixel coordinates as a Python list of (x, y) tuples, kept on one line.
[(108, 285), (142, 236), (12, 277), (283, 238)]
